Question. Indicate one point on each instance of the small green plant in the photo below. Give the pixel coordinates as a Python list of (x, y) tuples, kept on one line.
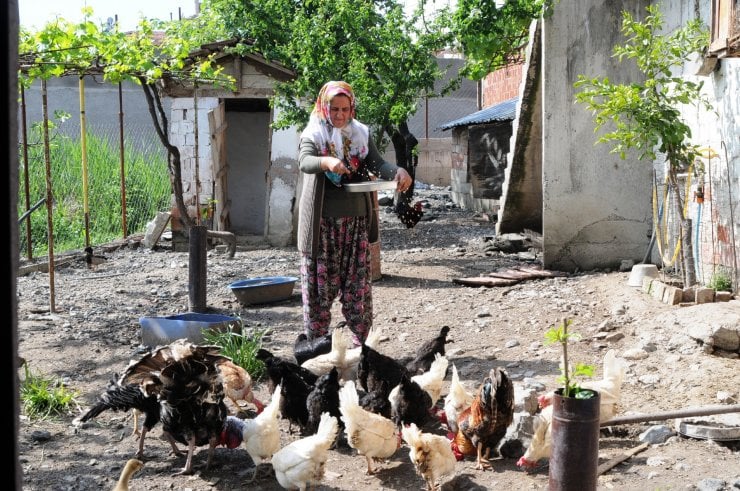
[(720, 282), (241, 347), (568, 375), (44, 397)]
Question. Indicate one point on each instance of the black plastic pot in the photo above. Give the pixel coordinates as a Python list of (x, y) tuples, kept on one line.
[(574, 459)]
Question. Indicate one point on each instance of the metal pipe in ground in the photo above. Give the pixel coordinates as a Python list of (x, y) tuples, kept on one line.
[(680, 413), (197, 276), (574, 457)]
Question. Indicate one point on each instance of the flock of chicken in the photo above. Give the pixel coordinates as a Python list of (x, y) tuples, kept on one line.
[(330, 389)]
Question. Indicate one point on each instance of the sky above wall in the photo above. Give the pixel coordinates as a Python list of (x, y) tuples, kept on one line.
[(34, 14)]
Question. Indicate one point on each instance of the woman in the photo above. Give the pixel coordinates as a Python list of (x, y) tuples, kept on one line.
[(336, 227)]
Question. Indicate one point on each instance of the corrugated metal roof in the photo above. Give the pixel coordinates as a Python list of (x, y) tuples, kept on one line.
[(504, 111)]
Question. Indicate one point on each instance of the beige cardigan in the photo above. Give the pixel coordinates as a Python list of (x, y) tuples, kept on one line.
[(312, 194)]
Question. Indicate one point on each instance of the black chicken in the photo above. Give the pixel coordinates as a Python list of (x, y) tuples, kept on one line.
[(185, 379), (425, 354), (409, 403), (377, 401), (324, 398), (409, 215), (296, 383), (305, 348), (118, 397), (378, 372)]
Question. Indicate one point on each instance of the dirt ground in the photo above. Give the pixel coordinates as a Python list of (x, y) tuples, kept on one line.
[(95, 332)]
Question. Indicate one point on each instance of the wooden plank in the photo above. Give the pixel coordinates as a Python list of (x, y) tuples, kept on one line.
[(484, 281), (620, 458)]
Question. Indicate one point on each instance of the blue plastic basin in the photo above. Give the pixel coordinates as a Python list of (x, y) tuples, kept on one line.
[(263, 290), (157, 331)]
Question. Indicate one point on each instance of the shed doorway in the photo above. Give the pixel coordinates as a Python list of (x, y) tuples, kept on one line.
[(248, 161)]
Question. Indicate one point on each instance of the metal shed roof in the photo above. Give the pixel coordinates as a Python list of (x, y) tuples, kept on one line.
[(504, 111)]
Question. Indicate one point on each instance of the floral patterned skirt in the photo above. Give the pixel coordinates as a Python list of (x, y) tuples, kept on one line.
[(341, 268)]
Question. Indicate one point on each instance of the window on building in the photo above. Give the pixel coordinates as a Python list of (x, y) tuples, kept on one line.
[(725, 41)]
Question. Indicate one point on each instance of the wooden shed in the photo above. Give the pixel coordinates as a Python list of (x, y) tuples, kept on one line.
[(238, 173)]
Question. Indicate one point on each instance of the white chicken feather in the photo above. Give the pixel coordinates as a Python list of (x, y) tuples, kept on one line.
[(372, 435), (457, 400), (261, 434), (610, 393), (432, 380), (431, 455), (322, 364), (301, 463)]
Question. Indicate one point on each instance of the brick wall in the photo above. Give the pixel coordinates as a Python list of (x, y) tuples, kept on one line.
[(501, 85)]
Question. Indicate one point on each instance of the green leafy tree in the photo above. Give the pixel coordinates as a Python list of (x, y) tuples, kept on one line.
[(387, 59), (493, 33), (646, 116), (63, 48)]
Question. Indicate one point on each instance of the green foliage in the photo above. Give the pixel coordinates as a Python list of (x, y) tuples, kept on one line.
[(44, 397), (240, 347), (645, 116), (721, 281), (569, 373), (385, 57), (62, 48), (492, 34), (147, 190)]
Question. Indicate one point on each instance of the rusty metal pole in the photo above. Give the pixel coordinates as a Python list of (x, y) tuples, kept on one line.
[(49, 196), (197, 275), (574, 460), (122, 159), (26, 179)]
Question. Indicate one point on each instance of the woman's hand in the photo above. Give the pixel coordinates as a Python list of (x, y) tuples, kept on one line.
[(403, 179), (333, 164)]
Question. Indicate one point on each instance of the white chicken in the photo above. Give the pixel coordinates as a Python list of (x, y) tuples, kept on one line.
[(348, 371), (432, 380), (431, 455), (610, 392), (301, 463), (457, 400), (261, 435), (372, 435), (322, 364)]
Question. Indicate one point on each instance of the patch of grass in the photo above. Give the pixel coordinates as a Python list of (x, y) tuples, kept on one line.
[(44, 397), (240, 347), (721, 282)]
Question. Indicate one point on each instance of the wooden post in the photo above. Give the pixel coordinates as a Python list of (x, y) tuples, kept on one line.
[(197, 275)]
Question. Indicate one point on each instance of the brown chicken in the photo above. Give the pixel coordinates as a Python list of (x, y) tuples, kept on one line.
[(238, 385), (132, 467), (482, 426)]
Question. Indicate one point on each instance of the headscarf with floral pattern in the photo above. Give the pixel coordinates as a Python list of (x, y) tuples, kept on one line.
[(349, 143)]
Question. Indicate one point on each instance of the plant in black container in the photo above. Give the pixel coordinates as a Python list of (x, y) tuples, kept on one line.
[(569, 375), (575, 422)]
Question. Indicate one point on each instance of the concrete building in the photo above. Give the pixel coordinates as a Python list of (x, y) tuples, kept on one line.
[(593, 208)]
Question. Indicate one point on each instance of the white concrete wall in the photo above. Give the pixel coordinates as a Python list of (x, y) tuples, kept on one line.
[(716, 221), (596, 207), (183, 136), (284, 180)]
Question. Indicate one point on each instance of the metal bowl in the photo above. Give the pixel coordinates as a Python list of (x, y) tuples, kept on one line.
[(267, 289)]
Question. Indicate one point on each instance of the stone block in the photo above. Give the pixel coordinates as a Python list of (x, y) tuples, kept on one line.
[(672, 295), (656, 290), (155, 228), (722, 296), (704, 295)]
